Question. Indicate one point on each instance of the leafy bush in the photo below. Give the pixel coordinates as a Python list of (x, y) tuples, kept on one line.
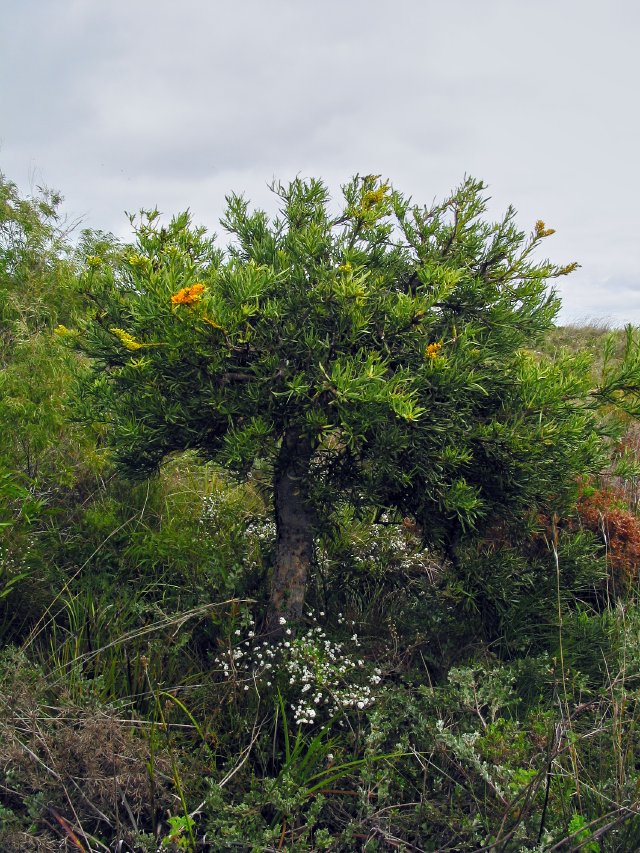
[(465, 672)]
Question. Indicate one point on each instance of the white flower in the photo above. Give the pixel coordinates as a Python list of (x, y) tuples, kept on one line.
[(282, 620)]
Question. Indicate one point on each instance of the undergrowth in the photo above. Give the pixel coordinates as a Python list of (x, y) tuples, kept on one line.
[(442, 707), (478, 694)]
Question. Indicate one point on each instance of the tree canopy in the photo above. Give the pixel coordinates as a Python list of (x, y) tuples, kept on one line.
[(38, 290), (380, 355)]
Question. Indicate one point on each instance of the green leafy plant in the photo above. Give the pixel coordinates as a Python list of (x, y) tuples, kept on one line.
[(580, 834), (378, 356)]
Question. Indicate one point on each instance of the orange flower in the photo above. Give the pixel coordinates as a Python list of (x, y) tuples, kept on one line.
[(188, 295), (433, 350)]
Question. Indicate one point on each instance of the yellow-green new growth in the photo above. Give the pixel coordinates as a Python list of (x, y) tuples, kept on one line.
[(542, 230), (62, 332), (373, 197), (127, 340)]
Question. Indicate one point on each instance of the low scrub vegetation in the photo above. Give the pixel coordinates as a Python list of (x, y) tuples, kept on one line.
[(326, 541)]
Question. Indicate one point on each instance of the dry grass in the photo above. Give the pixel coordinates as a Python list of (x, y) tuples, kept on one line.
[(79, 771)]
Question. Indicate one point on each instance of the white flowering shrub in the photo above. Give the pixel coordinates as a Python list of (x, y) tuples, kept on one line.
[(260, 536), (380, 547), (13, 568), (18, 584), (321, 677)]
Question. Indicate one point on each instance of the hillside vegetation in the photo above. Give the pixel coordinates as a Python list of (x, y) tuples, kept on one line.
[(444, 655)]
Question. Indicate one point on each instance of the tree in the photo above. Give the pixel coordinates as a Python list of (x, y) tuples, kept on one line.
[(38, 290), (379, 356)]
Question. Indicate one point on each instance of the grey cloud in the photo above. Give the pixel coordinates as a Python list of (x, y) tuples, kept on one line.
[(125, 105), (614, 300)]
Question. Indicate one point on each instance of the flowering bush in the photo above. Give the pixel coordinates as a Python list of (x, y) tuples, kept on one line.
[(188, 295), (322, 677)]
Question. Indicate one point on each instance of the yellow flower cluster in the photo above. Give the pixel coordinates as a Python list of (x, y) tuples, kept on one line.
[(93, 261), (345, 267), (188, 295), (542, 230), (63, 332), (138, 260), (127, 340), (433, 350), (374, 197)]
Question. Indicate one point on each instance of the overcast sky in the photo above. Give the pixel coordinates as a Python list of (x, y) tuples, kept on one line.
[(122, 105)]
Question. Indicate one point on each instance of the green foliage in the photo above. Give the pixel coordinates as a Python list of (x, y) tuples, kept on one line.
[(42, 457), (502, 591), (36, 283), (38, 290), (580, 834), (393, 337), (476, 681)]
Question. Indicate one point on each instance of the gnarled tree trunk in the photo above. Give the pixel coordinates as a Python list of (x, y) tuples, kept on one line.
[(294, 531)]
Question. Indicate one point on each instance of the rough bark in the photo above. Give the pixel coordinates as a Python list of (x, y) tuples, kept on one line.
[(294, 532)]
